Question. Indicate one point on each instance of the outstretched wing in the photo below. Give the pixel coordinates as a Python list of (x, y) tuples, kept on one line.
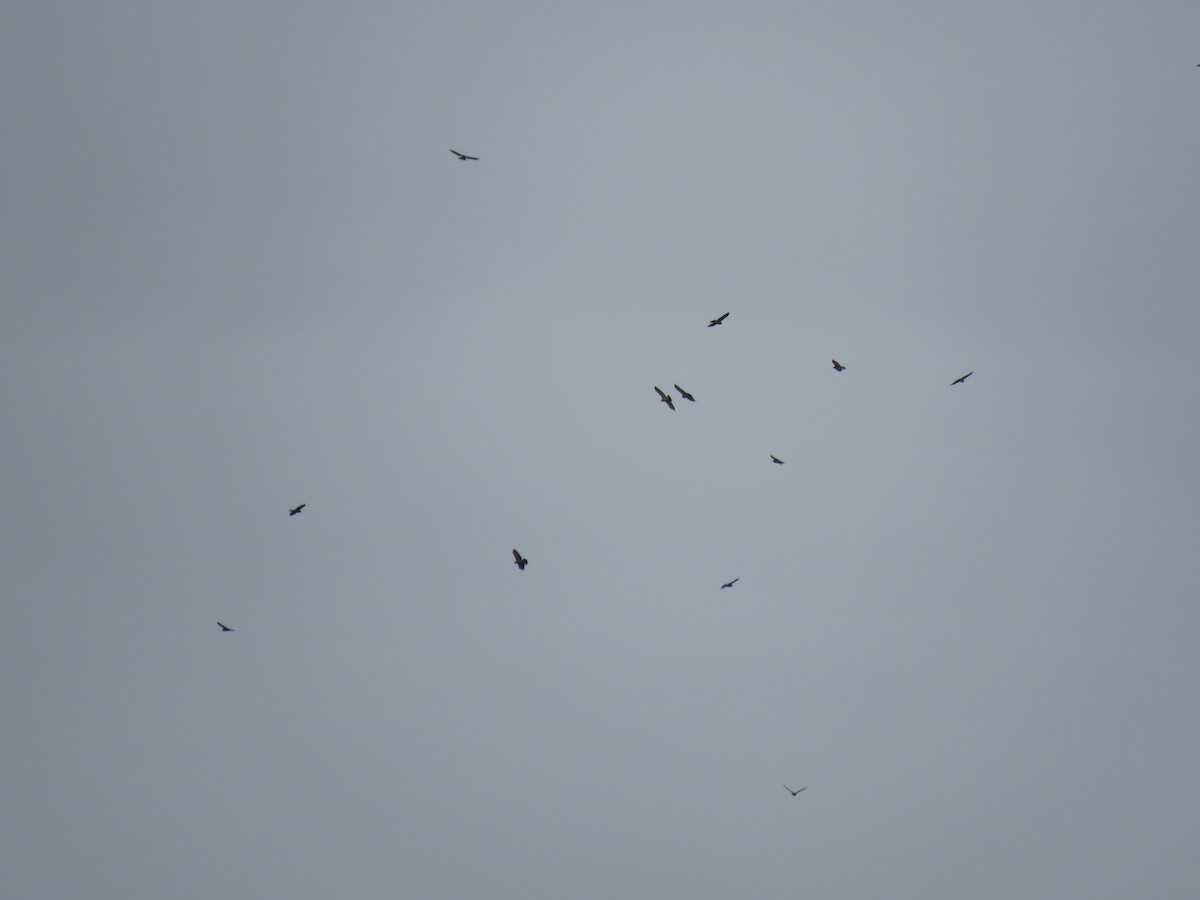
[(517, 555), (661, 395), (963, 379), (718, 320)]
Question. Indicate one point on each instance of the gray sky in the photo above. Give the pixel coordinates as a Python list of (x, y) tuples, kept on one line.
[(243, 272)]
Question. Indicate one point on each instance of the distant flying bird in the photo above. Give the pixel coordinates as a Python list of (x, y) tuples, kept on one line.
[(718, 320), (296, 511), (731, 583), (225, 627), (462, 156), (794, 793), (521, 562), (665, 398), (961, 380), (838, 367), (684, 394), (776, 460)]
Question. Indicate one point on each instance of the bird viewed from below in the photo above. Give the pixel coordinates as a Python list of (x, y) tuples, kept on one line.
[(225, 627), (838, 367), (775, 459), (520, 561), (794, 793), (462, 157), (963, 379), (719, 320), (665, 398), (731, 583), (296, 511), (684, 394)]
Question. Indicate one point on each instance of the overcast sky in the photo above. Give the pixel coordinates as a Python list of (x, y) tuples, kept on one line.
[(243, 271)]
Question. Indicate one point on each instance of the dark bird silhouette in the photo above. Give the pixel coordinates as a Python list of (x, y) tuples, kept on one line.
[(520, 561), (684, 394), (776, 460), (296, 511), (462, 157), (838, 367), (731, 583), (718, 320), (794, 793), (665, 398), (961, 380), (225, 627)]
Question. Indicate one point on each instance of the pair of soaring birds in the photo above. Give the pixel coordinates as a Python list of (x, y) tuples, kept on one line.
[(294, 511), (666, 398)]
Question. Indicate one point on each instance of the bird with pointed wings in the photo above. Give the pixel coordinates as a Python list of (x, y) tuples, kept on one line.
[(719, 320), (775, 459), (838, 367), (731, 583), (665, 398), (518, 560), (225, 627), (684, 394), (794, 793), (963, 379), (462, 157), (296, 511)]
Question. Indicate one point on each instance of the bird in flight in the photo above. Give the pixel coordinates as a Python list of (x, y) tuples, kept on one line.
[(838, 367), (684, 394), (225, 627), (731, 583), (462, 157), (961, 380), (296, 511), (520, 561), (718, 320), (775, 459), (794, 793), (665, 398)]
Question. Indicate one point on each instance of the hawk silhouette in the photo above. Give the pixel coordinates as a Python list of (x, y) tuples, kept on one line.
[(684, 394), (794, 793), (462, 157), (838, 367), (665, 398), (963, 379), (775, 459), (719, 320), (520, 561), (731, 583), (296, 511), (225, 627)]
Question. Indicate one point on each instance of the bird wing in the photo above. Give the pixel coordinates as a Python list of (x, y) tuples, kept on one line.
[(719, 319), (660, 392), (517, 555), (669, 402)]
